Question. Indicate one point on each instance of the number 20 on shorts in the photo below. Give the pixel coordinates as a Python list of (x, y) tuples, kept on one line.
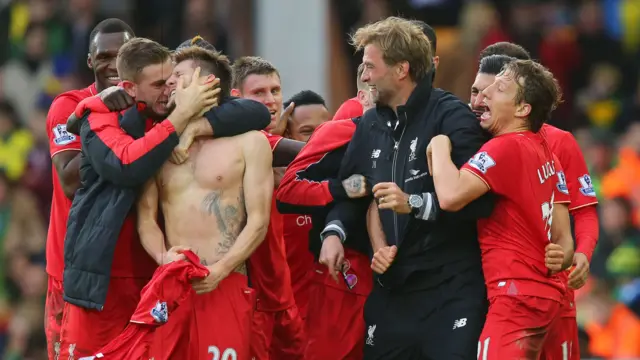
[(228, 354)]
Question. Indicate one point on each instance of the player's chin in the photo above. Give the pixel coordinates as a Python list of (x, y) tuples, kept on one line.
[(161, 108)]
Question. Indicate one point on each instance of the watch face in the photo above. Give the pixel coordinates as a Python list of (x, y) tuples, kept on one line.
[(415, 201)]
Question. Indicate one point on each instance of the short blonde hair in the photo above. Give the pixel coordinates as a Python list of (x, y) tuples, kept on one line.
[(210, 62), (138, 53), (399, 40), (250, 65)]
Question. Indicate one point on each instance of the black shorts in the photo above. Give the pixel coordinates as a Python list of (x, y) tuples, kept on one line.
[(439, 323)]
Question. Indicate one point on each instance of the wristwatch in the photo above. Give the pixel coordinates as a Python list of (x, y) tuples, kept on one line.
[(415, 203)]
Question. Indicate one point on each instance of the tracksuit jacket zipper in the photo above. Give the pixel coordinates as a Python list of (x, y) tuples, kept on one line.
[(393, 177)]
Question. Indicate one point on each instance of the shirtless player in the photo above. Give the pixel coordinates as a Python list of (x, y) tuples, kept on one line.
[(218, 204)]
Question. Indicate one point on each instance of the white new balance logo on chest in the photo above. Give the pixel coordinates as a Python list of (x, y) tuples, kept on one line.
[(459, 323)]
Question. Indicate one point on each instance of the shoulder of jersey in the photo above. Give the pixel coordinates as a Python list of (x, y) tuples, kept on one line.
[(77, 95)]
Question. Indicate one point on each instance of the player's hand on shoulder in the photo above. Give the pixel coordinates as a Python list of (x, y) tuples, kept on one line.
[(580, 272), (174, 254), (332, 255), (280, 127), (391, 197), (554, 258), (116, 98), (383, 258), (180, 153), (355, 186), (217, 273)]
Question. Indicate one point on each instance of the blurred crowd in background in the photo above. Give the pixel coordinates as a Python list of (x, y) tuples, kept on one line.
[(592, 47)]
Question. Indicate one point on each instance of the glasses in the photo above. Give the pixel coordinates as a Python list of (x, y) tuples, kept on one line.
[(351, 280)]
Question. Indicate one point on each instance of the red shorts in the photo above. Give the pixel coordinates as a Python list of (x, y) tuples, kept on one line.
[(562, 340), (84, 332), (53, 310), (335, 324), (278, 335), (215, 325), (516, 327)]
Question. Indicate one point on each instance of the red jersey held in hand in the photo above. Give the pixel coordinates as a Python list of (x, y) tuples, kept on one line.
[(524, 173), (60, 140), (268, 270)]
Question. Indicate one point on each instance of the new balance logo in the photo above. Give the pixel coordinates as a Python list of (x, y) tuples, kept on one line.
[(459, 323), (375, 154)]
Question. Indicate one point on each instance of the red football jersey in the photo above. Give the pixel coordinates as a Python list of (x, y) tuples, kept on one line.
[(524, 173), (581, 191), (299, 258), (60, 140), (566, 148), (268, 270), (168, 288), (349, 109)]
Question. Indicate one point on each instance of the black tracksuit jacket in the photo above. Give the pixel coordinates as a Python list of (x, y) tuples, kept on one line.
[(433, 251)]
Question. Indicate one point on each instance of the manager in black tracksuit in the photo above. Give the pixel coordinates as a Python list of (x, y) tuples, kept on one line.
[(431, 302)]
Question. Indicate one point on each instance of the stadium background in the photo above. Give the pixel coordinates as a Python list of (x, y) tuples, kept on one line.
[(593, 48)]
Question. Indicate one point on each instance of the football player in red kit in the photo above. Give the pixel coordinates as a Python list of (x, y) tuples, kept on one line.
[(518, 166), (562, 342), (278, 330), (335, 324), (105, 40), (308, 113)]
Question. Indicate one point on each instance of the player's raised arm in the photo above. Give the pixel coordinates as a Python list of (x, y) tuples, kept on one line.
[(151, 236), (286, 151), (118, 157), (454, 188), (299, 191), (258, 191), (467, 138)]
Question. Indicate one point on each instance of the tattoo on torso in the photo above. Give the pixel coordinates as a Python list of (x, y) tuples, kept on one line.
[(230, 217)]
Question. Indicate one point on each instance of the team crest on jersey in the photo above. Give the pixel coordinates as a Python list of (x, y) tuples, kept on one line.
[(61, 136), (159, 312), (586, 186), (482, 162), (562, 183), (412, 149)]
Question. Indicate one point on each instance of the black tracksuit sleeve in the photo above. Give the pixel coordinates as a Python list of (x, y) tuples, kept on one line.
[(118, 157), (237, 116), (467, 137), (346, 213)]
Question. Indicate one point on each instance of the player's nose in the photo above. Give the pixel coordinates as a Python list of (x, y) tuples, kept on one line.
[(478, 100)]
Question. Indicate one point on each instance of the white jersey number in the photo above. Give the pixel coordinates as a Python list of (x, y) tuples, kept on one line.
[(483, 349), (566, 350), (547, 216), (228, 354)]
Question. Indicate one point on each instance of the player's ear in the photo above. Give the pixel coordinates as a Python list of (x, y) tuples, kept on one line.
[(523, 110), (235, 93), (436, 62), (89, 61), (402, 69), (129, 87)]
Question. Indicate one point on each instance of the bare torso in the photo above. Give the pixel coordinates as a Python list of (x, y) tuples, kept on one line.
[(203, 199)]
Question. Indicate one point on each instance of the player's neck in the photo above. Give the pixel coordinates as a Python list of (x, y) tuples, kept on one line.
[(99, 87), (514, 127)]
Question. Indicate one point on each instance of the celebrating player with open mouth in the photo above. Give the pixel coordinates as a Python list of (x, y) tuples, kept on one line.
[(518, 166)]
